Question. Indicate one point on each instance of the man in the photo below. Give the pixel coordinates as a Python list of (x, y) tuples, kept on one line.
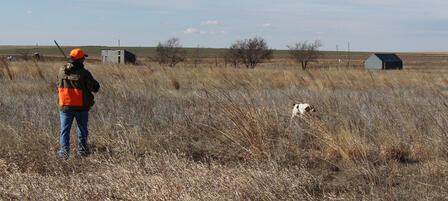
[(75, 86)]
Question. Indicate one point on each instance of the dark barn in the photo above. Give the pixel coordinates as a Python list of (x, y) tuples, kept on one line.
[(383, 62)]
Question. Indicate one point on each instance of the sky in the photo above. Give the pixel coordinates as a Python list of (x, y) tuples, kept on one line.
[(364, 25)]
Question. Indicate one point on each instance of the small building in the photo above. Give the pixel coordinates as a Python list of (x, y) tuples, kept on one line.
[(383, 62), (117, 57)]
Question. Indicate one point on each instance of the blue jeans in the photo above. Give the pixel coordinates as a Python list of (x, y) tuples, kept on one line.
[(66, 124)]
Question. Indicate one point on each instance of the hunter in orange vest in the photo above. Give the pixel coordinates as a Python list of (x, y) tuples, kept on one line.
[(75, 85)]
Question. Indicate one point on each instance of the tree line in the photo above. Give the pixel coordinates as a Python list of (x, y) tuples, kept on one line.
[(247, 52)]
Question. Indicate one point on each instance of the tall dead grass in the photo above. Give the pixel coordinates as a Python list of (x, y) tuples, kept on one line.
[(223, 133), (5, 67)]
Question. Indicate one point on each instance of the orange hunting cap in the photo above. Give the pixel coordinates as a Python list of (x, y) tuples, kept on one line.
[(77, 53)]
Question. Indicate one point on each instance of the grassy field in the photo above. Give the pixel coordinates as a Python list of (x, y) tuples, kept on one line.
[(222, 133), (96, 50), (139, 51)]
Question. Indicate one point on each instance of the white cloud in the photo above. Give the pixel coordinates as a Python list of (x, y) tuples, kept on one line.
[(190, 31), (266, 25), (209, 22)]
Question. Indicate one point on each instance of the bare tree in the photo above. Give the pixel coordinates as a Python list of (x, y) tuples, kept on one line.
[(304, 52), (250, 52), (233, 55), (170, 52), (256, 51)]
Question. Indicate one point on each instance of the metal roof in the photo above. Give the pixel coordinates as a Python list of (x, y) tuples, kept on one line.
[(388, 57)]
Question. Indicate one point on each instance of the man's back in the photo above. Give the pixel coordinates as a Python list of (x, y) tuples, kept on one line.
[(75, 85)]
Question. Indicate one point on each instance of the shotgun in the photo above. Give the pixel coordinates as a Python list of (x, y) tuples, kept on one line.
[(61, 50)]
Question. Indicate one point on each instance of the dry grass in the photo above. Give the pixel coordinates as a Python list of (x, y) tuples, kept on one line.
[(5, 67), (220, 133)]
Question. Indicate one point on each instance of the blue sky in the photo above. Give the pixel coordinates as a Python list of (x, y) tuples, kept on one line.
[(368, 25)]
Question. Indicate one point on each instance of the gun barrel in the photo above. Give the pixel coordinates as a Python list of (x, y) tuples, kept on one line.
[(60, 49)]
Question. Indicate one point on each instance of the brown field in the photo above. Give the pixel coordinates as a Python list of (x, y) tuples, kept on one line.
[(223, 133), (14, 47)]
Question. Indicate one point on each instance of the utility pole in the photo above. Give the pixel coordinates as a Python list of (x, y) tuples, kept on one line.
[(337, 56), (348, 62)]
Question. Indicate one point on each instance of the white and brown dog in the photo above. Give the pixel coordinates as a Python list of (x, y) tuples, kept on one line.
[(299, 109)]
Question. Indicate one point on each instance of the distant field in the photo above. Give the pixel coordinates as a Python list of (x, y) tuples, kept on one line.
[(96, 50), (139, 51), (143, 52), (14, 47), (210, 56)]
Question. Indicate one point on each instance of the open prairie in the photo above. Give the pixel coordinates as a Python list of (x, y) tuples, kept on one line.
[(222, 133)]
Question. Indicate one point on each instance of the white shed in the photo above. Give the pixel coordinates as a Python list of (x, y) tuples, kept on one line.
[(117, 57)]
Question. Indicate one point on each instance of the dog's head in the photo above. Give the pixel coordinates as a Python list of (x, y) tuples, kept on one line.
[(310, 108), (303, 108)]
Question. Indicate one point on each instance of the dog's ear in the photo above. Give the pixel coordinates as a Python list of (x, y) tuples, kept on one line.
[(308, 109)]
